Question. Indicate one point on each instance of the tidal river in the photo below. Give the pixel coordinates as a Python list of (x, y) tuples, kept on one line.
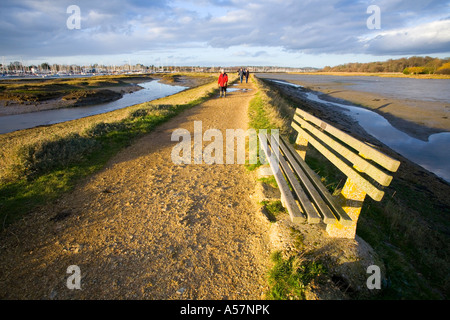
[(151, 90), (432, 155)]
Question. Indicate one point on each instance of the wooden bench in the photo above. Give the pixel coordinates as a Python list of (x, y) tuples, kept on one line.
[(303, 193)]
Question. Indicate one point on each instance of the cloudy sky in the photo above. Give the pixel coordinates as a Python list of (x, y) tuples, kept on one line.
[(222, 32)]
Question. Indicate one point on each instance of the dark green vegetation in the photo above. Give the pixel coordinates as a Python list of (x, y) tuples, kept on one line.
[(54, 164), (409, 228), (273, 209), (412, 65)]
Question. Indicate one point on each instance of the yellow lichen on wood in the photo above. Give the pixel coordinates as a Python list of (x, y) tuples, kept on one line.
[(351, 199), (301, 144)]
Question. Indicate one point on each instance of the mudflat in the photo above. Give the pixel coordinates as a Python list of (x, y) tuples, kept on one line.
[(417, 118)]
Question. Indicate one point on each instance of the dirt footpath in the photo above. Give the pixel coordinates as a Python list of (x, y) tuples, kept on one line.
[(145, 228)]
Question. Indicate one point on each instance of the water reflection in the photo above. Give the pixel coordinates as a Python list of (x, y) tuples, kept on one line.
[(151, 90), (433, 154)]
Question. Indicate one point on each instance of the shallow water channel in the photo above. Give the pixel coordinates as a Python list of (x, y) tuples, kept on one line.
[(151, 90), (432, 155)]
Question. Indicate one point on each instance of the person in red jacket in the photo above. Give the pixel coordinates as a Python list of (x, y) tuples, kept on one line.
[(223, 82)]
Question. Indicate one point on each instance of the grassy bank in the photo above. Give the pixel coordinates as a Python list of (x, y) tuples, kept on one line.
[(408, 229), (39, 164)]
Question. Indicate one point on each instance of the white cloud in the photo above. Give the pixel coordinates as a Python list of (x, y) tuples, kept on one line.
[(36, 28), (433, 37)]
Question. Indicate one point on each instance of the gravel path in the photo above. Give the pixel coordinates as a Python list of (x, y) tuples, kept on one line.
[(145, 228)]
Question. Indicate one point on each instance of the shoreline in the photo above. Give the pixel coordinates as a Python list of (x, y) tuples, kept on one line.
[(418, 119)]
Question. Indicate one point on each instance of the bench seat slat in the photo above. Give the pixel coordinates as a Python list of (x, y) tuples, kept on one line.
[(311, 213), (314, 183), (366, 151), (362, 165), (293, 209), (328, 216), (365, 185)]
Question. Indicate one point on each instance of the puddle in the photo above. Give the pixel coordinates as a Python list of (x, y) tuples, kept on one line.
[(237, 89), (432, 155)]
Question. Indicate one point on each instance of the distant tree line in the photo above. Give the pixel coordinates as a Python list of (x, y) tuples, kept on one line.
[(412, 65)]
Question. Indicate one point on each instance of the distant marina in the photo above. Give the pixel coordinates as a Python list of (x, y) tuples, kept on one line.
[(17, 70)]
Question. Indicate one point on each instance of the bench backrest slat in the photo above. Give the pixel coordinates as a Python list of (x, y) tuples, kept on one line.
[(365, 150), (360, 163), (350, 172)]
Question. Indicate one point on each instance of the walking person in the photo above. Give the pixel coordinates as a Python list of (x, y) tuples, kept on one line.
[(247, 74), (241, 74), (223, 82)]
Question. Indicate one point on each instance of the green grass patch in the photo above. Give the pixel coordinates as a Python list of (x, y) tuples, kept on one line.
[(260, 119), (273, 209), (270, 180), (289, 277)]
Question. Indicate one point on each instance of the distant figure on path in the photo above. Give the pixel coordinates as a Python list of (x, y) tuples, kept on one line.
[(223, 82), (247, 73), (241, 74)]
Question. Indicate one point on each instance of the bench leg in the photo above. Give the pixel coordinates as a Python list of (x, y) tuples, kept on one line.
[(301, 144), (283, 201), (351, 200)]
